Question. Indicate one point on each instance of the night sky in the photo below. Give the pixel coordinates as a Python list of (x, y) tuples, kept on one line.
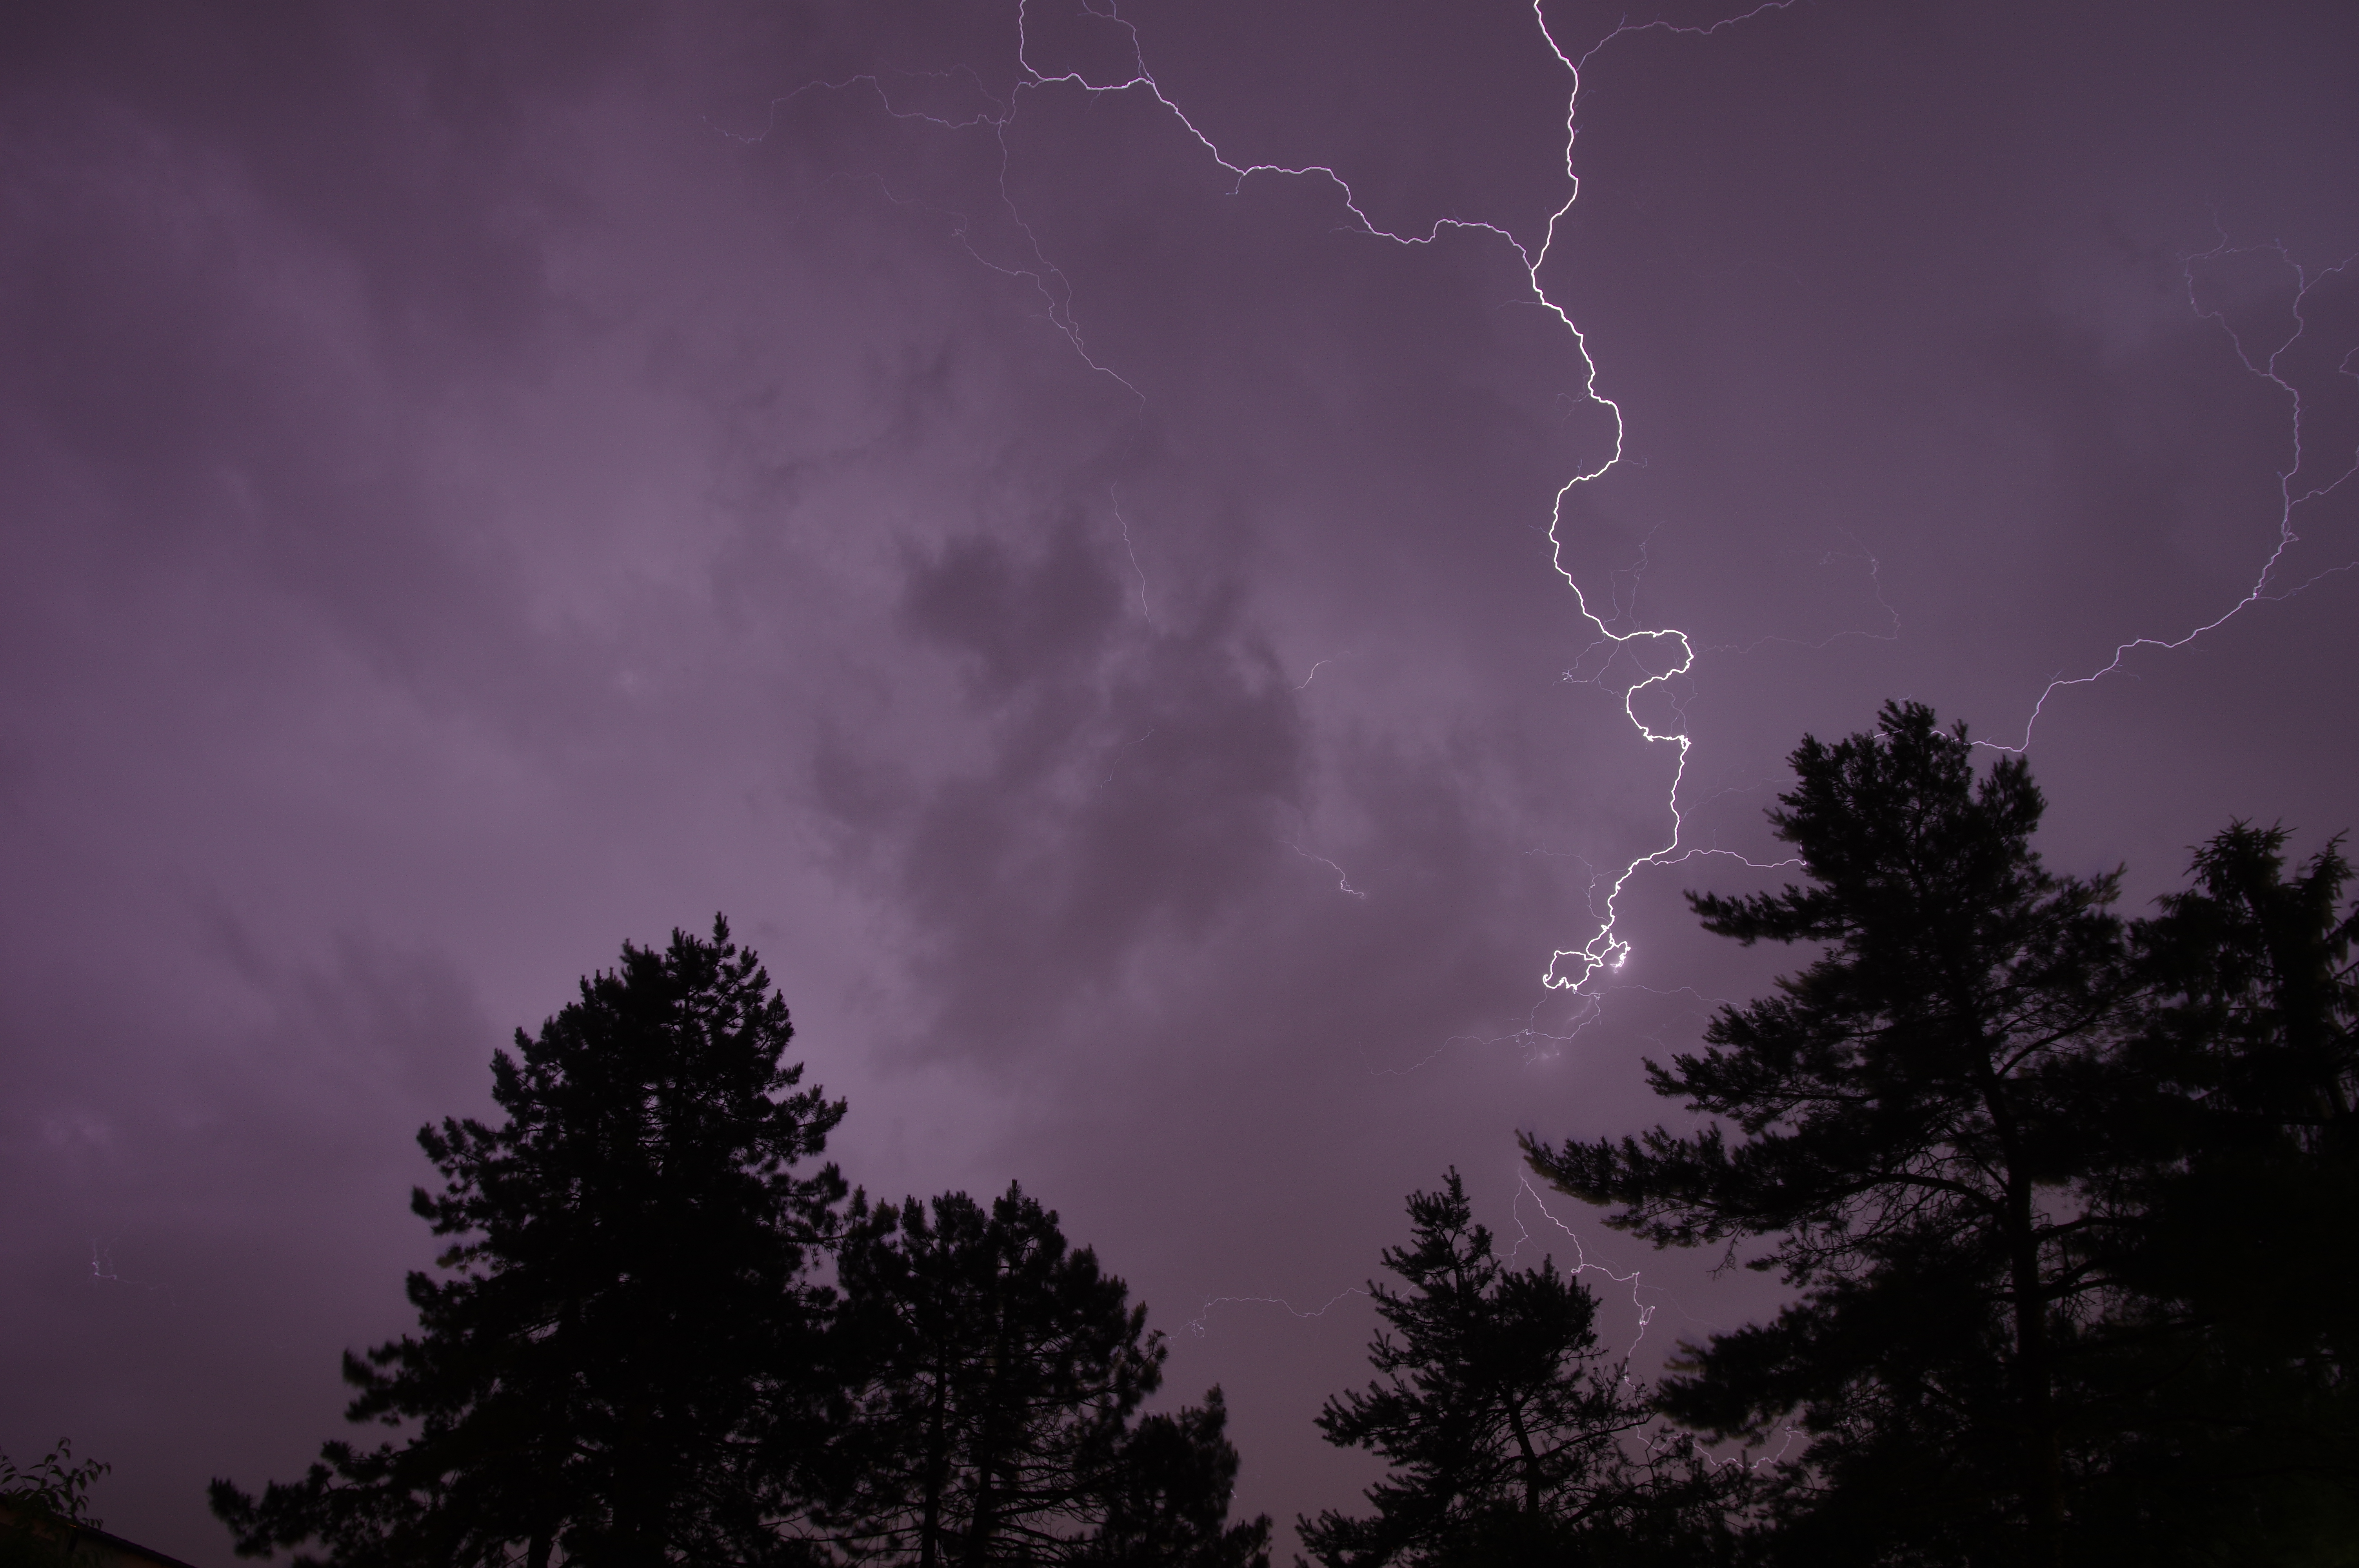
[(481, 482)]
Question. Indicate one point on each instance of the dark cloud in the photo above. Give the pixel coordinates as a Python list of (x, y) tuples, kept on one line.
[(1020, 624), (481, 484), (1130, 794)]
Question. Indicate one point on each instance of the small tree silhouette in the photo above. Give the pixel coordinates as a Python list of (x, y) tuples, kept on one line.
[(1502, 1426)]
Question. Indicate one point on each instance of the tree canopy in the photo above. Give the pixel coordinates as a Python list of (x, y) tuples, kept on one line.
[(45, 1508), (2059, 1195), (1000, 1372), (2048, 1186), (2236, 1318), (1914, 1109), (625, 1295), (1501, 1422), (633, 1353)]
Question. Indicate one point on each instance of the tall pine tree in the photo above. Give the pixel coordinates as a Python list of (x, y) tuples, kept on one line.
[(608, 1365), (1917, 1113)]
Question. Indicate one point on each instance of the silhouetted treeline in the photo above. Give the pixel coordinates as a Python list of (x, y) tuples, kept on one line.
[(662, 1338), (2067, 1201)]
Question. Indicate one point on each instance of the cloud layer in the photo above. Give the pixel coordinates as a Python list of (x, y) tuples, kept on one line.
[(481, 486)]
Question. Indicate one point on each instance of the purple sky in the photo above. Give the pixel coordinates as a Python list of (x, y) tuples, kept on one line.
[(478, 483)]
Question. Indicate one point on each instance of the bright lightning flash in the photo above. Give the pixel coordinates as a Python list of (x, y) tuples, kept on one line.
[(1672, 652), (1567, 968)]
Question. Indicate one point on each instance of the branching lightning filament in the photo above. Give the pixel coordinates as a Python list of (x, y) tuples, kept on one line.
[(1567, 968)]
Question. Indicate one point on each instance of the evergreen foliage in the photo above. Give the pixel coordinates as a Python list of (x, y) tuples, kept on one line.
[(1166, 1499), (1000, 1370), (626, 1304), (2060, 1198), (2237, 1325), (1915, 1110), (1503, 1429), (628, 1359), (2051, 1188)]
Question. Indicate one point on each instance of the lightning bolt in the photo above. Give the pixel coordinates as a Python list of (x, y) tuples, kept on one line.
[(1606, 949), (1196, 1323), (1662, 1438), (1114, 495), (1567, 968), (103, 1269), (1876, 589), (1536, 1043), (1123, 752), (2268, 368), (1661, 657), (1582, 1265), (1342, 878)]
